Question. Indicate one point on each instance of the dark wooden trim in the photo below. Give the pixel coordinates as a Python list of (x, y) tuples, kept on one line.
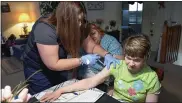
[(170, 43)]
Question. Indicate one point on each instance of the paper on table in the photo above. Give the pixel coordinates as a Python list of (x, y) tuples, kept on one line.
[(40, 95), (68, 96), (82, 96), (88, 96)]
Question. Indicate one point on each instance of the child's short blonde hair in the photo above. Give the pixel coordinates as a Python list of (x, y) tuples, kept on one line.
[(137, 46)]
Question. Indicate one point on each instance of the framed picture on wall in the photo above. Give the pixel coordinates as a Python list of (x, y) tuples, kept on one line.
[(5, 7), (95, 5), (47, 7)]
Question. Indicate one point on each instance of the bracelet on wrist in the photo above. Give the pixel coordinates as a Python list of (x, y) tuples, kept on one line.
[(80, 61)]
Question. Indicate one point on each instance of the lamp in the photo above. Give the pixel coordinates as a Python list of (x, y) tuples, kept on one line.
[(24, 17)]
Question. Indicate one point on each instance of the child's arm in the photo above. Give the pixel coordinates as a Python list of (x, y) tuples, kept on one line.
[(80, 85), (110, 91), (153, 90), (151, 98)]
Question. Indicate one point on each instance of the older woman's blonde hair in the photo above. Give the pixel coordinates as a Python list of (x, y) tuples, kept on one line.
[(91, 26), (137, 46)]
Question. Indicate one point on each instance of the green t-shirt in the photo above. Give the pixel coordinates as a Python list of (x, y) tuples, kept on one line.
[(133, 87)]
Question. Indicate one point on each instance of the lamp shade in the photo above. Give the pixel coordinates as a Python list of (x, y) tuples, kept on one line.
[(24, 17)]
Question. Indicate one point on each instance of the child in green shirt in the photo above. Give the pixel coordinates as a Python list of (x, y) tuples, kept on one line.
[(134, 80)]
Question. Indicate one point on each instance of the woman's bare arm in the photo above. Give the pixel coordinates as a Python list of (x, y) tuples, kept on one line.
[(91, 47), (120, 57), (49, 55)]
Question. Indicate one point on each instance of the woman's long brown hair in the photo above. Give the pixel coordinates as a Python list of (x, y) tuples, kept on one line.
[(67, 25)]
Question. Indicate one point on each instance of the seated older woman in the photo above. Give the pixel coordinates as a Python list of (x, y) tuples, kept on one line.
[(109, 43)]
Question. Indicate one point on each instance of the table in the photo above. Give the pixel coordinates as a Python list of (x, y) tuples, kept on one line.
[(103, 97), (107, 99)]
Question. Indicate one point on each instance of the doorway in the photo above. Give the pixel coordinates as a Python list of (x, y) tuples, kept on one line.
[(131, 18)]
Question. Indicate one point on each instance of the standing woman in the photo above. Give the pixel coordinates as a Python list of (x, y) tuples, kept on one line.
[(52, 38)]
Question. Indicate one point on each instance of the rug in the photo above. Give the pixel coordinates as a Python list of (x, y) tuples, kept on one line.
[(11, 65)]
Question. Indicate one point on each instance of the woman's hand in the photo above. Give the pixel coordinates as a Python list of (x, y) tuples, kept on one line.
[(109, 59), (89, 59), (51, 96)]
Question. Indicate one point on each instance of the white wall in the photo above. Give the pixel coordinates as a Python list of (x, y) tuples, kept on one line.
[(0, 21), (152, 13), (112, 11), (178, 17), (10, 23)]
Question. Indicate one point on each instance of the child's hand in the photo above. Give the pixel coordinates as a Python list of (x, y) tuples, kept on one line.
[(51, 96)]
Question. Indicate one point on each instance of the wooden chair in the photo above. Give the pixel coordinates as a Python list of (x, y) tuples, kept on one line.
[(170, 43)]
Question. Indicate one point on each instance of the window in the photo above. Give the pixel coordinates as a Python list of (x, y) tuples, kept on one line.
[(135, 13)]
